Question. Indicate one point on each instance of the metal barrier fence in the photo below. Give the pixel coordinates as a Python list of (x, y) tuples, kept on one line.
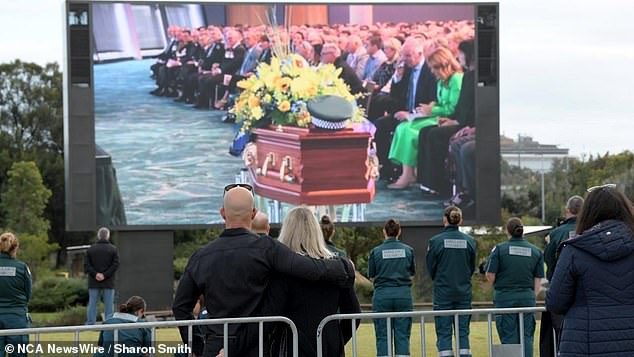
[(162, 324), (422, 315)]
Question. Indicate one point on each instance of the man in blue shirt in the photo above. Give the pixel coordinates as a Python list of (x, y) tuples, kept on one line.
[(375, 59)]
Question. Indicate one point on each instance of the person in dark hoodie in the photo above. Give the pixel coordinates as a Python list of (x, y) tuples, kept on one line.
[(593, 283)]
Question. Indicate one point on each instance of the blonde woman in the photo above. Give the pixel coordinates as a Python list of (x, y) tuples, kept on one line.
[(382, 102), (15, 292), (307, 302), (404, 149), (392, 49)]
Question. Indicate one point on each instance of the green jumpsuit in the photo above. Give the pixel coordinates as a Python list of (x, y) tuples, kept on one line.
[(15, 293), (563, 232), (557, 236), (391, 265), (334, 250), (451, 257), (132, 338), (516, 263)]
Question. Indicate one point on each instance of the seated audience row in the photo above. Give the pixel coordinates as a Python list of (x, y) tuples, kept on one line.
[(418, 87)]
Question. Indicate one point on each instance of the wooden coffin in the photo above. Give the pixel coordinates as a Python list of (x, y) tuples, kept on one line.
[(312, 166)]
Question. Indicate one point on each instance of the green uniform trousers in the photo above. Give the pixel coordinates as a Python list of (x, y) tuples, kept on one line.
[(445, 328), (401, 327), (508, 325), (13, 321)]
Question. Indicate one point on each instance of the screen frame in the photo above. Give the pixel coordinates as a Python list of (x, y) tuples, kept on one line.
[(485, 214)]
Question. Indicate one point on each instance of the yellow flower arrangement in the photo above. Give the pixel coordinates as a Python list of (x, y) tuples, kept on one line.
[(284, 106), (279, 92)]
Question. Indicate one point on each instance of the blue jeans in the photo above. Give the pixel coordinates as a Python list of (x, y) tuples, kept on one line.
[(12, 321), (93, 298)]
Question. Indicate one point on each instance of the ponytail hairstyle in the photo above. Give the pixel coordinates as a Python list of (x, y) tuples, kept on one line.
[(327, 227), (453, 215), (9, 243), (133, 305), (514, 227), (392, 228)]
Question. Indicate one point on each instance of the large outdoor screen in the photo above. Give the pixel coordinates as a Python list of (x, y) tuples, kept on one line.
[(165, 75)]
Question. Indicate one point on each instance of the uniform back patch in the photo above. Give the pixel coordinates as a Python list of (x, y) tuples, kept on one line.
[(523, 251), (393, 253), (455, 244), (7, 271)]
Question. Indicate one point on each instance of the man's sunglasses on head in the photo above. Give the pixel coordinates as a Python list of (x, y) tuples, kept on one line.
[(607, 185), (234, 185)]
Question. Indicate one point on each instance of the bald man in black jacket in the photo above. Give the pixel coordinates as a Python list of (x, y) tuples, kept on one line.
[(233, 271)]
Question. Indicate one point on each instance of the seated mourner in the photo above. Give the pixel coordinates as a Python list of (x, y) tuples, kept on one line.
[(135, 340)]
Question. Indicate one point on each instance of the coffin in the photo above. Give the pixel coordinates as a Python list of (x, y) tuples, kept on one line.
[(312, 166)]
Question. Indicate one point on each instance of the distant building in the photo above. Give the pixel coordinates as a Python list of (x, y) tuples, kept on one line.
[(527, 153)]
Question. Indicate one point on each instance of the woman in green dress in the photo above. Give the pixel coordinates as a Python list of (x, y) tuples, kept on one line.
[(404, 149)]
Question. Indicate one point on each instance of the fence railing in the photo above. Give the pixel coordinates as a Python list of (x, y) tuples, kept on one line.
[(160, 324), (422, 315)]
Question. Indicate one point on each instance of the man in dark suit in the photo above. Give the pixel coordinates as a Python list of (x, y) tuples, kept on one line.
[(172, 46), (159, 69), (230, 65), (212, 55), (265, 45), (248, 66), (411, 86), (168, 74), (330, 54), (191, 62)]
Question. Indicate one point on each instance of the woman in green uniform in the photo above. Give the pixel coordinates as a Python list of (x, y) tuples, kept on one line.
[(450, 261), (328, 230), (404, 149), (15, 293), (515, 269), (136, 340), (391, 267)]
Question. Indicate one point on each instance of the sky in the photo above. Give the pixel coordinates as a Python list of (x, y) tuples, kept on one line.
[(565, 66)]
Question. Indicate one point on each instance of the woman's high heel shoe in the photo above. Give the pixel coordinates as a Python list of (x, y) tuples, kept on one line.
[(220, 105), (401, 184)]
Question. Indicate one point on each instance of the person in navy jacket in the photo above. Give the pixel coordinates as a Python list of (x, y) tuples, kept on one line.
[(593, 283)]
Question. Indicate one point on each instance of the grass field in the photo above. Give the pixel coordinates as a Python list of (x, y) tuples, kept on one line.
[(365, 339)]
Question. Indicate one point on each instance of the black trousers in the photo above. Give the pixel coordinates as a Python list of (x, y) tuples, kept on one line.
[(380, 103), (433, 145), (385, 127), (167, 77), (190, 86), (549, 322), (243, 343), (184, 72), (207, 88), (155, 69)]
